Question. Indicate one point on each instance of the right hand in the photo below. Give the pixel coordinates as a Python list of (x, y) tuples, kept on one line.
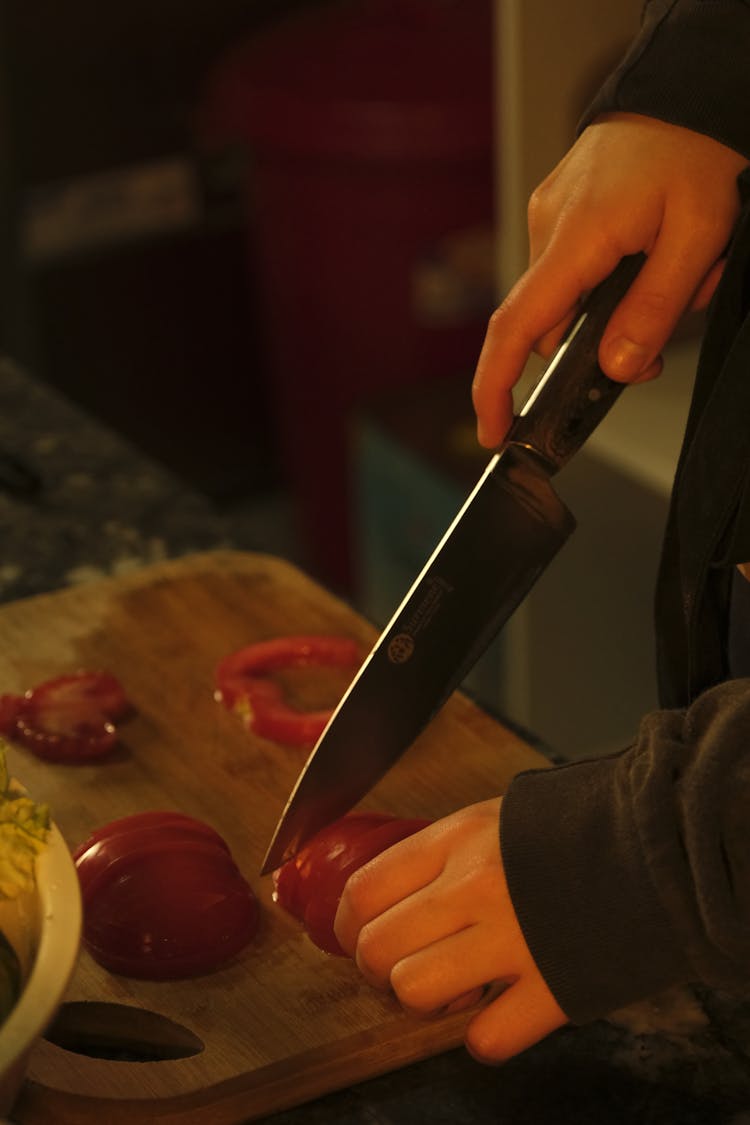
[(629, 183)]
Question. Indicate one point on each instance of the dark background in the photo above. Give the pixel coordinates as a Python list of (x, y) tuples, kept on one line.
[(134, 330)]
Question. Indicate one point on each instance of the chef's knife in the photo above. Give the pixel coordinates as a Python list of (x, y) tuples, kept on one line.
[(508, 530)]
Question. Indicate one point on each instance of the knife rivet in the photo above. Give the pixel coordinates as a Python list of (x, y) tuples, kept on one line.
[(594, 394)]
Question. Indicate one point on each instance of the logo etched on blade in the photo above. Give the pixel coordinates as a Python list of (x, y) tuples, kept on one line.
[(402, 644)]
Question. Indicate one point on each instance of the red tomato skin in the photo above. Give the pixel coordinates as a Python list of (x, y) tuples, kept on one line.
[(70, 718), (85, 745), (110, 847), (163, 899), (264, 657), (297, 881), (154, 820), (75, 697), (266, 713), (325, 864)]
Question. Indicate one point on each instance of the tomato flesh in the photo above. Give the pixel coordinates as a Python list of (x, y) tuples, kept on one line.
[(310, 886), (68, 718), (163, 897)]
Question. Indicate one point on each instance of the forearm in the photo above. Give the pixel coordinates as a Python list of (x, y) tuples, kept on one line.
[(689, 66), (632, 873)]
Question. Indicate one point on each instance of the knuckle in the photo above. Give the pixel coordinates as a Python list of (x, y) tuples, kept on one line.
[(496, 323), (357, 892), (606, 244), (411, 992), (535, 208), (539, 202), (649, 303)]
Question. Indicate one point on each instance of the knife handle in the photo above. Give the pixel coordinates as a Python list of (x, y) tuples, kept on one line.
[(573, 394)]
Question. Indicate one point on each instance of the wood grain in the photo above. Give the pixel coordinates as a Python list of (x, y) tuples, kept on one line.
[(283, 1023)]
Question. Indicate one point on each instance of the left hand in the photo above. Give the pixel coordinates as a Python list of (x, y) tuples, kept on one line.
[(432, 919)]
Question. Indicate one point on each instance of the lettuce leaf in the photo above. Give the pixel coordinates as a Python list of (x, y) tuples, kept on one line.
[(24, 825)]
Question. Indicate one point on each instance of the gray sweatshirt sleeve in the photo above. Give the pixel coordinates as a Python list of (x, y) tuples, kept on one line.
[(631, 873), (690, 66)]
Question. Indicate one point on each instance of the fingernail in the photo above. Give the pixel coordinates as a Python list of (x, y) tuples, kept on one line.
[(624, 357)]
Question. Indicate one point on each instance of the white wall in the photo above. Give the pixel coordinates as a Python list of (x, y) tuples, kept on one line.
[(580, 665)]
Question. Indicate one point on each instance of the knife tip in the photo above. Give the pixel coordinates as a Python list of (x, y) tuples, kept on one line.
[(276, 856)]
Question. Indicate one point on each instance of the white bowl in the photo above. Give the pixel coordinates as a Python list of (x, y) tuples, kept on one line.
[(48, 930)]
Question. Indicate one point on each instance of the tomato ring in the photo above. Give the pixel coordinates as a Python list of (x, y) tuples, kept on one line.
[(69, 718), (243, 684)]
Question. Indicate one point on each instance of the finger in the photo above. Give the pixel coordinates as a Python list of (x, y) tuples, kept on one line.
[(644, 320), (545, 297), (521, 1016), (393, 875), (547, 345), (439, 974), (424, 920), (652, 371), (707, 288), (461, 1003)]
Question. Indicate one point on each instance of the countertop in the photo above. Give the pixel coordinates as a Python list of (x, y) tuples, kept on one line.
[(78, 502)]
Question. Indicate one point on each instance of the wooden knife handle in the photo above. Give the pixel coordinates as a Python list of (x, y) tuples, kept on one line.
[(573, 394)]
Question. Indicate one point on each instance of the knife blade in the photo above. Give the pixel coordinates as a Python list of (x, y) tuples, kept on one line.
[(506, 533)]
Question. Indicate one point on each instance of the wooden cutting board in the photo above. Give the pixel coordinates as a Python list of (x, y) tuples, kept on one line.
[(283, 1023)]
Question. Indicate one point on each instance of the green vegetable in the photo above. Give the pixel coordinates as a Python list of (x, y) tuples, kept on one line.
[(23, 834)]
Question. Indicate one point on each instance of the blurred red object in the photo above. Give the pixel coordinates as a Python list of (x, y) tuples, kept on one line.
[(370, 213)]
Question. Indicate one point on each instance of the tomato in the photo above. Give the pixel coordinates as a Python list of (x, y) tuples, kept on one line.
[(69, 718), (310, 886), (163, 897), (243, 684)]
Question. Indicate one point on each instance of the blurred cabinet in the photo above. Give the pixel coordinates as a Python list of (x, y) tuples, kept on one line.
[(145, 318)]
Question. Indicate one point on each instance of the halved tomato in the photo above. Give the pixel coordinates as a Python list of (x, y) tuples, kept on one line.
[(163, 897)]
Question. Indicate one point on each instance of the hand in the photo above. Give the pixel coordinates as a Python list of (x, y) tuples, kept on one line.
[(628, 184), (432, 919)]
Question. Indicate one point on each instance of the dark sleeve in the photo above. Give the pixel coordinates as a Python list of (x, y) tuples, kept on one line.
[(631, 873), (690, 66)]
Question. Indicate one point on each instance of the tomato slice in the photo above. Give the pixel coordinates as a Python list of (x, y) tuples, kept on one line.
[(265, 711), (139, 833), (153, 820), (163, 897), (310, 886), (243, 684), (297, 881), (70, 718)]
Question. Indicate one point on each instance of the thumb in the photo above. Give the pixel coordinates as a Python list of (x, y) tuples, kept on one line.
[(644, 320), (522, 1015)]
